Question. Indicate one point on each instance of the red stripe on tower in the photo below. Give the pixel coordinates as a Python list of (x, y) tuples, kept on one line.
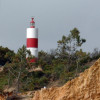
[(32, 42)]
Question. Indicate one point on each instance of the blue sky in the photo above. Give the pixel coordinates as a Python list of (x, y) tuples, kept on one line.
[(54, 18)]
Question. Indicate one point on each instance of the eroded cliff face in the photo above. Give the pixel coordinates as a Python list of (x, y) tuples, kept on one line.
[(84, 87), (2, 97)]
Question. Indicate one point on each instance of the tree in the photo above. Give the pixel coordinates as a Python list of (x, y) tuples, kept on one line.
[(6, 55), (45, 57), (82, 58), (68, 46), (71, 42), (18, 69), (95, 54)]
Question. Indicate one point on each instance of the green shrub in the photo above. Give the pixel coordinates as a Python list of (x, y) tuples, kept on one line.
[(57, 71), (3, 81), (83, 68)]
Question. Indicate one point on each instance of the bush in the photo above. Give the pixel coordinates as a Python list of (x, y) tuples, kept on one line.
[(83, 68), (57, 71), (3, 81)]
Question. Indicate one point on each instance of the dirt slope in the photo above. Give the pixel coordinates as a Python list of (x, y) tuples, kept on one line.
[(84, 87)]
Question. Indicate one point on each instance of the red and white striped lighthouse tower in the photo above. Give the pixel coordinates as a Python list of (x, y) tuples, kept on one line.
[(32, 40)]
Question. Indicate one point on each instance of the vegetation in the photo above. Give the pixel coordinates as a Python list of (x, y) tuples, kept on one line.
[(6, 55), (63, 64)]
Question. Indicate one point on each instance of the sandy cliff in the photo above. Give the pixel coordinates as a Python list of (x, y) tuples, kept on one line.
[(84, 87)]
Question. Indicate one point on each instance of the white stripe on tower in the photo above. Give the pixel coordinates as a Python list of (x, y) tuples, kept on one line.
[(32, 39)]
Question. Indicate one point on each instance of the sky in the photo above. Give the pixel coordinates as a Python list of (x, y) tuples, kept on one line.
[(53, 18)]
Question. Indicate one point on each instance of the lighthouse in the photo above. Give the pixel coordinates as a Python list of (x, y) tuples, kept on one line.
[(32, 40)]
